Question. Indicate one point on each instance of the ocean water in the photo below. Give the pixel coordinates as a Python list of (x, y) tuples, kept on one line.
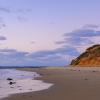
[(23, 82)]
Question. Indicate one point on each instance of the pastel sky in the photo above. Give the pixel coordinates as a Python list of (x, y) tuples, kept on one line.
[(47, 32)]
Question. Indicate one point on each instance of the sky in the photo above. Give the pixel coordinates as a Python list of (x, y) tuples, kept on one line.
[(47, 32)]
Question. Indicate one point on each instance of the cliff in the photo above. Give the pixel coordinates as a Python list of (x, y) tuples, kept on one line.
[(91, 57)]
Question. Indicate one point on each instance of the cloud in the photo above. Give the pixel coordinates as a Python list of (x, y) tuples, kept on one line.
[(32, 42), (81, 39), (90, 26), (22, 19), (75, 41), (40, 58), (8, 50), (71, 46), (5, 9), (2, 23), (12, 57), (59, 56), (83, 33), (19, 13), (24, 11), (13, 53), (2, 38), (55, 52)]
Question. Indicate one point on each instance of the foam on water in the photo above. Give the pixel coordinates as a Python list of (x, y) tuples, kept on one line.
[(25, 82)]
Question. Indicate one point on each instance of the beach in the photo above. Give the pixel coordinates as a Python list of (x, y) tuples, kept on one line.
[(69, 84)]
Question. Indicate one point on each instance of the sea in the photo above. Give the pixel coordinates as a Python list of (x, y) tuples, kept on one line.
[(14, 81)]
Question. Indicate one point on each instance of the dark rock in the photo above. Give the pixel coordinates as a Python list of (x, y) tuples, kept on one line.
[(11, 87), (9, 79), (18, 86), (85, 79), (11, 83), (94, 71)]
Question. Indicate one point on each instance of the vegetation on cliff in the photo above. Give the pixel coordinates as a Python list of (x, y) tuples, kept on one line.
[(90, 57)]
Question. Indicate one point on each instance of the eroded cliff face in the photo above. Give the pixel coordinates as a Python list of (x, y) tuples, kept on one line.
[(90, 57)]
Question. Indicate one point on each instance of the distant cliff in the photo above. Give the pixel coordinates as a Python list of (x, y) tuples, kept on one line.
[(90, 57)]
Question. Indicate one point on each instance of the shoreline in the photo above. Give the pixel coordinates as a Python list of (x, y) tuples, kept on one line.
[(71, 84), (13, 81)]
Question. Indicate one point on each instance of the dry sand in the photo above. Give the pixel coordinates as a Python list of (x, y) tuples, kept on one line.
[(69, 84)]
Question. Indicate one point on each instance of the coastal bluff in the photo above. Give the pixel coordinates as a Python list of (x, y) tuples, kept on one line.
[(91, 57)]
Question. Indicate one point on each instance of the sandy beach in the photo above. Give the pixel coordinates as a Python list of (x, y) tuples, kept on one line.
[(69, 84)]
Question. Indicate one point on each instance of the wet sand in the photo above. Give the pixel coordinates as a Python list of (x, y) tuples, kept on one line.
[(69, 84)]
